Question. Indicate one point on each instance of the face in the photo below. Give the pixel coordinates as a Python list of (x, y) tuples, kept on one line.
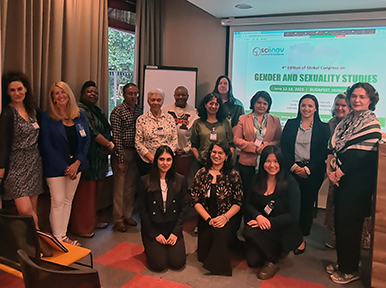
[(359, 100), (307, 108), (260, 106), (155, 102), (271, 165), (223, 86), (130, 95), (212, 106), (16, 92), (59, 97), (165, 162), (217, 155), (181, 97), (341, 108), (90, 95)]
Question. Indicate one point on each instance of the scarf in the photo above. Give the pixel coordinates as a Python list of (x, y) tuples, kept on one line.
[(362, 133)]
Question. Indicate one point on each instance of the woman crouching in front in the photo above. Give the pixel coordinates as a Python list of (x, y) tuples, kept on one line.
[(162, 207), (217, 196), (272, 214)]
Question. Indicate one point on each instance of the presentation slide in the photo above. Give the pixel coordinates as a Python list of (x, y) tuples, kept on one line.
[(323, 62)]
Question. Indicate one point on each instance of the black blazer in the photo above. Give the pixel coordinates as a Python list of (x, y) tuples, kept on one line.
[(319, 141), (151, 208)]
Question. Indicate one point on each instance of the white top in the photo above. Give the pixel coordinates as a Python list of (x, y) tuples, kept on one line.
[(164, 191)]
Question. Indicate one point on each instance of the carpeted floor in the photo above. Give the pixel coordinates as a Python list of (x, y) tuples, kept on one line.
[(120, 260)]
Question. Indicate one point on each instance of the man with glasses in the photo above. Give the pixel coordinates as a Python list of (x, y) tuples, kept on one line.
[(124, 158)]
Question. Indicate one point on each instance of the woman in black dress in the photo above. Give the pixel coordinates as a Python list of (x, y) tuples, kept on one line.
[(162, 210), (271, 214), (217, 197)]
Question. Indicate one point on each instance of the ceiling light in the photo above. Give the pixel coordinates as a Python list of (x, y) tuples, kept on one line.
[(243, 6)]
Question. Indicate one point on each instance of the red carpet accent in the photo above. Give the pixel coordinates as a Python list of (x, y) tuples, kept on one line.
[(8, 280), (140, 281), (126, 256), (279, 281)]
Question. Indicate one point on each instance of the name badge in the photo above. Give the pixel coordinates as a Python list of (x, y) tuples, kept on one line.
[(258, 142), (213, 136), (82, 133), (35, 125), (160, 131)]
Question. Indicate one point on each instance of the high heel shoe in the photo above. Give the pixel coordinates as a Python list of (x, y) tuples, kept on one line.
[(298, 251)]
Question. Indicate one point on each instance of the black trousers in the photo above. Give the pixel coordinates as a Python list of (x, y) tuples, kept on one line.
[(309, 188), (161, 257), (213, 245), (246, 174)]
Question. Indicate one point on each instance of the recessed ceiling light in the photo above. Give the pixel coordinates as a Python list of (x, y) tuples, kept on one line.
[(243, 6)]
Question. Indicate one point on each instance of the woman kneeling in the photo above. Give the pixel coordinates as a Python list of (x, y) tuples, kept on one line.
[(162, 207), (271, 214), (217, 196)]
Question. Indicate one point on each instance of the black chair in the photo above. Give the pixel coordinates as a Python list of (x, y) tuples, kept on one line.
[(17, 232), (36, 276)]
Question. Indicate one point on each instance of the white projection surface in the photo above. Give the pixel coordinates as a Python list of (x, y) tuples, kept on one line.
[(323, 62)]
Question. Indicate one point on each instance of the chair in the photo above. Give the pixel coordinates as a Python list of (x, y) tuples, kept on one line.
[(36, 276), (18, 232)]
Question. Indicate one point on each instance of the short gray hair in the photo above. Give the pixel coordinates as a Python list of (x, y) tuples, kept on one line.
[(156, 91)]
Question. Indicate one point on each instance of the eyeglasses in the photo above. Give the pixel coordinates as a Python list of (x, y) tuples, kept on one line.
[(132, 93)]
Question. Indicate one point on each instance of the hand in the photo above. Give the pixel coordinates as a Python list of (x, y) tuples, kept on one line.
[(110, 146), (219, 221), (339, 174), (149, 157), (263, 222), (121, 168), (172, 240), (253, 223), (161, 239), (301, 172), (332, 178), (260, 148), (180, 151), (72, 170)]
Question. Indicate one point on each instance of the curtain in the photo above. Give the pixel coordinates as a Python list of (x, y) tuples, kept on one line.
[(147, 38), (53, 40)]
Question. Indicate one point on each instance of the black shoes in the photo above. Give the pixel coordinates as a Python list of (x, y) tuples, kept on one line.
[(268, 271), (298, 251)]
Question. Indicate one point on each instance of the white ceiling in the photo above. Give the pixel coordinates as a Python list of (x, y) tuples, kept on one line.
[(226, 8)]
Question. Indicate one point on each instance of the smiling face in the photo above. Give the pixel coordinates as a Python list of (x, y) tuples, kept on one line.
[(155, 102), (59, 97), (271, 165), (340, 108), (307, 108), (16, 92), (260, 106), (164, 162), (181, 97), (223, 86), (218, 156), (90, 95), (359, 100), (212, 106)]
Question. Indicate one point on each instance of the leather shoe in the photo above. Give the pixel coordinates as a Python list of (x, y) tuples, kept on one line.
[(298, 251), (101, 225), (268, 271), (87, 235), (120, 226), (130, 221)]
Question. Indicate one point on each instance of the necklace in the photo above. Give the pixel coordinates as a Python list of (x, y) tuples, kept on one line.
[(67, 121)]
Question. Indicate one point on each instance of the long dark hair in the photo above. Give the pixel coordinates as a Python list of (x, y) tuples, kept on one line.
[(201, 110), (28, 101), (227, 167), (154, 175), (313, 98), (260, 180), (231, 98)]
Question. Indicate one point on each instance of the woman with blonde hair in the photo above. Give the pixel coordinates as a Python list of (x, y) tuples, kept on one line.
[(65, 140)]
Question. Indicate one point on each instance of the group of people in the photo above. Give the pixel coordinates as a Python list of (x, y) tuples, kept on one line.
[(274, 190)]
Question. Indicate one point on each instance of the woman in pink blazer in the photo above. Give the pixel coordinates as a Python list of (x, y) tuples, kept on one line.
[(253, 133)]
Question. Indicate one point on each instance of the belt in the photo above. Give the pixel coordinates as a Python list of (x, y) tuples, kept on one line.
[(303, 163)]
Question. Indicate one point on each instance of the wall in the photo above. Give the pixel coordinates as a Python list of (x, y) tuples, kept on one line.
[(193, 38)]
